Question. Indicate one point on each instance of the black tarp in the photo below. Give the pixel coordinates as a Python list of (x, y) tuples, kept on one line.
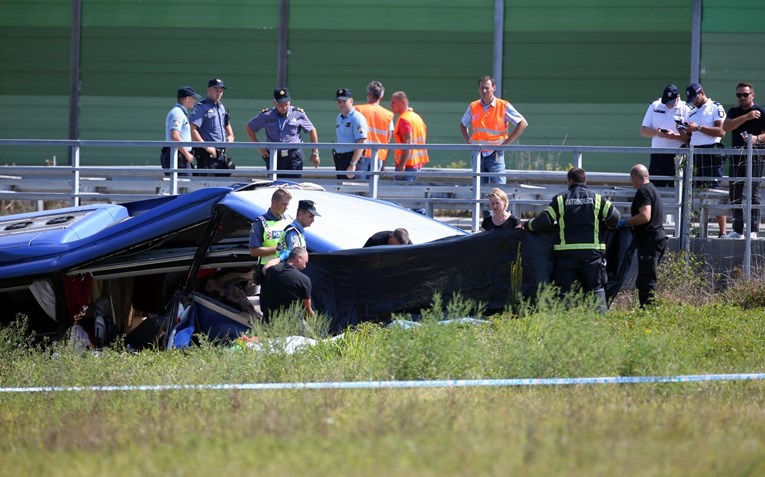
[(371, 284)]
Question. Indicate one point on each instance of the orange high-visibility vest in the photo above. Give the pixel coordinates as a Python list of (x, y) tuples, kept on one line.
[(488, 127), (418, 157), (379, 120)]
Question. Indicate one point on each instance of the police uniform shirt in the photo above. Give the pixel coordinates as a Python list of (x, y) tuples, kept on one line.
[(350, 128), (659, 117), (177, 120), (752, 126), (512, 116), (256, 232), (210, 119), (279, 128), (292, 237), (706, 115)]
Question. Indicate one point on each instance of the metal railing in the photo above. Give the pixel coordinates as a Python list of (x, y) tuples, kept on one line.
[(86, 181)]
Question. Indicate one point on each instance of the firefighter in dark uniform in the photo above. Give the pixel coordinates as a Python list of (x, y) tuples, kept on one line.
[(284, 123), (580, 250)]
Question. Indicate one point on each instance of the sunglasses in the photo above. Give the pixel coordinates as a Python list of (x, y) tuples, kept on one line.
[(742, 95)]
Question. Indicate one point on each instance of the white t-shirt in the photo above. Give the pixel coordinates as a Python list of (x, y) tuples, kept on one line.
[(659, 117), (706, 115)]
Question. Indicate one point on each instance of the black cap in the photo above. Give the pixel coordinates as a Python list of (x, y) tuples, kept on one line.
[(692, 90), (670, 94), (308, 205), (344, 93), (217, 83), (282, 95), (187, 91)]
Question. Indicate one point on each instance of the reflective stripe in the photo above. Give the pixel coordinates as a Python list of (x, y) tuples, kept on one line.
[(561, 221), (580, 246), (494, 132), (378, 131), (596, 222)]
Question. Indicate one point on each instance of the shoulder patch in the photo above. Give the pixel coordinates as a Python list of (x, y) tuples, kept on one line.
[(265, 110), (300, 110)]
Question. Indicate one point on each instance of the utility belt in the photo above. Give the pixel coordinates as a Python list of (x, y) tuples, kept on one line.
[(716, 145), (205, 160), (285, 153), (181, 162)]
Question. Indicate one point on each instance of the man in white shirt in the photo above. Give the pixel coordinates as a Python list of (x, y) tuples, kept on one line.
[(705, 124), (660, 124)]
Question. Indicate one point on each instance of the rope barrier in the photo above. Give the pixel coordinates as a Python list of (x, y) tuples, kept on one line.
[(456, 383)]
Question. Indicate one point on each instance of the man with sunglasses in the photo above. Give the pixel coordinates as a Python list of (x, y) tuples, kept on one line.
[(746, 119)]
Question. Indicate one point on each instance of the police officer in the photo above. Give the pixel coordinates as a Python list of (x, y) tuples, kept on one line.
[(351, 127), (284, 123), (660, 124), (294, 233), (211, 122), (705, 124), (580, 251), (267, 230), (177, 129)]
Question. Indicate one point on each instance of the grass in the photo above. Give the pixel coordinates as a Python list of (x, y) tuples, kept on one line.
[(652, 429)]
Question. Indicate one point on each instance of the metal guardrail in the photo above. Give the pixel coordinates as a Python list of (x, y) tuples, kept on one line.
[(436, 188)]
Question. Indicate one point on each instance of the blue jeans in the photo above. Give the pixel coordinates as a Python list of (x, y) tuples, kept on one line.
[(362, 167), (494, 162), (411, 178)]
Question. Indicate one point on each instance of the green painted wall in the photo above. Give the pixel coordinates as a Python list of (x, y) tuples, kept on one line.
[(581, 72)]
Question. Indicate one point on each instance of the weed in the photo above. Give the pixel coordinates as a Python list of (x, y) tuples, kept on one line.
[(686, 279)]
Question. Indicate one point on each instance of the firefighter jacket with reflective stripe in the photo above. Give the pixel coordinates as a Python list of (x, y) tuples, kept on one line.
[(580, 214)]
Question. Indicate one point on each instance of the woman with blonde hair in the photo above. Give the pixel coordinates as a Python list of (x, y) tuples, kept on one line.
[(500, 218)]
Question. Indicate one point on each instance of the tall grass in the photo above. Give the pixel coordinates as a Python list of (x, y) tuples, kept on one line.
[(663, 429)]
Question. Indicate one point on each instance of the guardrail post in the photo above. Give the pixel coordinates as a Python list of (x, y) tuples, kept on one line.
[(578, 159), (748, 210), (686, 200), (374, 175), (174, 167), (272, 162), (476, 189), (75, 175)]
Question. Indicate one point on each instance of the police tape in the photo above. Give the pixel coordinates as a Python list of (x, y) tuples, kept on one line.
[(442, 383)]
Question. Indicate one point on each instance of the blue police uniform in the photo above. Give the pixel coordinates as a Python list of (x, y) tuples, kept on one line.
[(285, 129), (293, 236), (350, 129), (177, 119), (211, 120)]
